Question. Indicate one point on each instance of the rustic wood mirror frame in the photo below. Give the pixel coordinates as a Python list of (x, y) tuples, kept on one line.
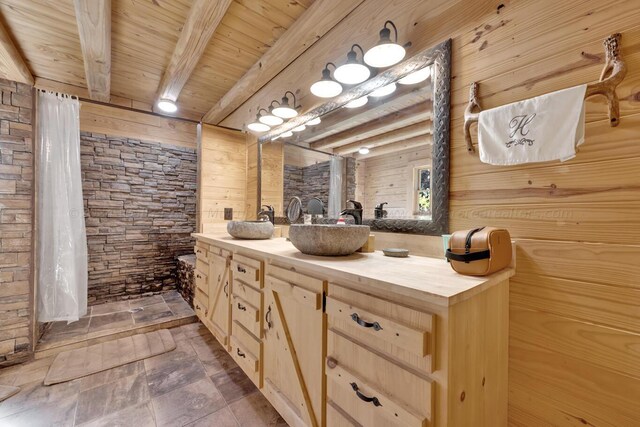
[(439, 57)]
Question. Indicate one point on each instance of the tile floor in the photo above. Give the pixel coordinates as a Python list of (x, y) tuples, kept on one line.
[(197, 384), (119, 317)]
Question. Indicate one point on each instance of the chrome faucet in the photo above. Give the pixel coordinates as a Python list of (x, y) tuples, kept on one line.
[(269, 212), (355, 212)]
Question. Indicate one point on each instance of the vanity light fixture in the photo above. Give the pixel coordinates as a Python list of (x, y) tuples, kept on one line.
[(299, 128), (416, 77), (167, 105), (357, 102), (258, 127), (384, 90), (353, 72), (313, 122), (386, 53), (269, 118), (286, 134), (283, 110), (363, 150), (326, 87)]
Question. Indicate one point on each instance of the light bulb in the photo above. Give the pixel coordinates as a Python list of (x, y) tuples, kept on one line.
[(363, 150), (384, 55), (351, 73), (286, 134), (285, 112), (416, 77), (271, 120), (299, 128), (258, 127), (167, 105), (384, 90), (326, 88), (313, 122), (357, 102)]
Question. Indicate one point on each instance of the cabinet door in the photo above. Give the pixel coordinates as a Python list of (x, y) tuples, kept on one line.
[(294, 347), (218, 312)]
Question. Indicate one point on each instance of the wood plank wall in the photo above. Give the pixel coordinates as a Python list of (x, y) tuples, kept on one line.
[(272, 177), (575, 300), (222, 175)]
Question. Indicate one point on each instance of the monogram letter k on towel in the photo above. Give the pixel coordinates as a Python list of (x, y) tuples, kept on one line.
[(548, 127)]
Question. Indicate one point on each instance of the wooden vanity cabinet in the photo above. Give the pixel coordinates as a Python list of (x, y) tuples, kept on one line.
[(294, 346)]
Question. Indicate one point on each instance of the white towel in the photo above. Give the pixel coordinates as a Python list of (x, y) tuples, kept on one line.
[(548, 127)]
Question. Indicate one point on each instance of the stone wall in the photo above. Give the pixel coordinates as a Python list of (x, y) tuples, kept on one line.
[(16, 208), (140, 207)]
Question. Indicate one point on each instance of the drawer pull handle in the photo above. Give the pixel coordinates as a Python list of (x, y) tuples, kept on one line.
[(242, 307), (198, 276), (375, 325), (241, 354), (364, 398), (226, 285), (198, 307), (241, 270), (267, 317)]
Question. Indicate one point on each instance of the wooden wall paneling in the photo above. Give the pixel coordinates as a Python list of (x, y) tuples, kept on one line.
[(411, 143), (201, 23), (12, 65), (94, 28), (109, 120), (223, 175), (252, 175), (311, 26), (412, 134), (273, 176)]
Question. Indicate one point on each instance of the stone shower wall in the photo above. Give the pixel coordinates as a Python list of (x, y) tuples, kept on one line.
[(140, 207), (16, 210)]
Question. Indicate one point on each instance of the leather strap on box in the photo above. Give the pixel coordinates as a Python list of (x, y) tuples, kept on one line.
[(468, 257)]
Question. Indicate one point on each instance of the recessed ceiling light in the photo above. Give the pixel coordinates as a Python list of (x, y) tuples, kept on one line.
[(357, 102), (363, 150), (167, 105)]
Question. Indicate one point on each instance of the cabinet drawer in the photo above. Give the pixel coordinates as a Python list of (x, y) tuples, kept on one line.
[(201, 251), (246, 314), (202, 298), (246, 339), (246, 270), (400, 332), (247, 293), (201, 265), (373, 390), (336, 417), (200, 309), (201, 282), (249, 362)]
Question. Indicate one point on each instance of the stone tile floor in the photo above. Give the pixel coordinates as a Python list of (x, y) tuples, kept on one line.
[(119, 317), (197, 384)]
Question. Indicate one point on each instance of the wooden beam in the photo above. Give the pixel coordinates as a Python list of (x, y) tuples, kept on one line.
[(94, 27), (415, 130), (12, 65), (310, 27), (409, 116), (346, 118), (415, 142), (204, 17)]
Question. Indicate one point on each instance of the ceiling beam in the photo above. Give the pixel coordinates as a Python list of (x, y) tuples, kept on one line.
[(425, 141), (400, 119), (395, 135), (94, 27), (12, 65), (202, 21), (310, 27)]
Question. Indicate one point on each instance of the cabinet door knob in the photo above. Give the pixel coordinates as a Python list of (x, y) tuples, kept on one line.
[(241, 270), (364, 398), (375, 325), (242, 307)]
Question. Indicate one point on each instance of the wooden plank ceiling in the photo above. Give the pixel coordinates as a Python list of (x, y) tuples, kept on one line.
[(158, 47)]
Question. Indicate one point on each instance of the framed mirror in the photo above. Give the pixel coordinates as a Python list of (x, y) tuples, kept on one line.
[(389, 154)]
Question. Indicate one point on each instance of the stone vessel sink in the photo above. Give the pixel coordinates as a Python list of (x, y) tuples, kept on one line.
[(250, 230), (328, 239)]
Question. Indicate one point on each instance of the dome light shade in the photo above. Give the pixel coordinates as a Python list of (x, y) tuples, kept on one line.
[(299, 128), (286, 134), (271, 120), (284, 110), (416, 77), (167, 105), (313, 122), (386, 53), (258, 127), (326, 87), (353, 72), (363, 150), (357, 102), (384, 90)]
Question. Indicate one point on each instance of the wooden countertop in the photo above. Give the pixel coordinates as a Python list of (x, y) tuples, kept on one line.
[(429, 279)]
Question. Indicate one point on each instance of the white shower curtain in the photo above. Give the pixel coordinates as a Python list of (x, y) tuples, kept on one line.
[(336, 171), (62, 240)]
